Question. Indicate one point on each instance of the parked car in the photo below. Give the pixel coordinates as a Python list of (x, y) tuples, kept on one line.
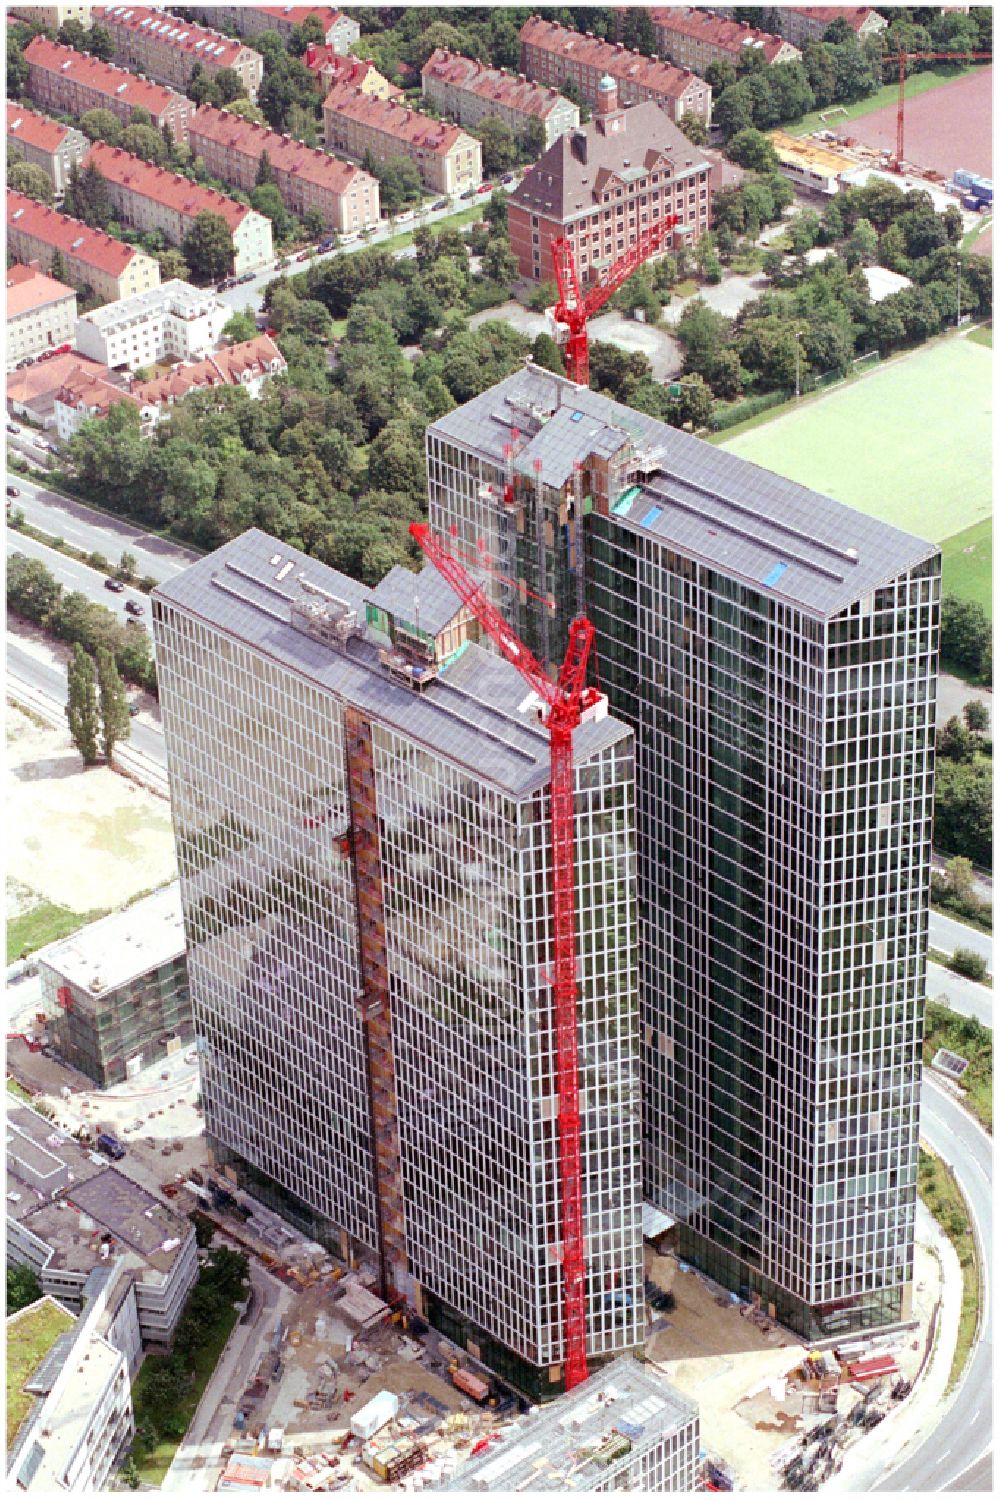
[(110, 1145), (133, 607), (485, 187), (12, 427), (247, 276), (305, 255), (469, 193), (510, 177), (115, 585), (441, 203), (325, 245), (133, 710), (13, 491)]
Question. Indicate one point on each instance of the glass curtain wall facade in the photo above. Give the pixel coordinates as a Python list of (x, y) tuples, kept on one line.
[(784, 770)]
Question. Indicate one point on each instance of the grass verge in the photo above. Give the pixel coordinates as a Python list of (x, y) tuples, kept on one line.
[(18, 1091), (967, 565), (964, 1035), (940, 1192), (453, 221), (152, 1465), (982, 335), (884, 98), (44, 924)]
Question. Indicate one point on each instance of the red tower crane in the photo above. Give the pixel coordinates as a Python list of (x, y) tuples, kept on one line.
[(566, 701), (924, 57), (573, 309)]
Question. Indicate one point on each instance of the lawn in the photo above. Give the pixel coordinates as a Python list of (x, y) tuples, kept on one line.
[(964, 1035), (18, 1091), (910, 442), (41, 925), (888, 95), (151, 1466), (937, 1187), (967, 565), (464, 216), (983, 335), (29, 1340)]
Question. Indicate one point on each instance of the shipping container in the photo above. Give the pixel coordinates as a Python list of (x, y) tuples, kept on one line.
[(382, 1408), (473, 1386)]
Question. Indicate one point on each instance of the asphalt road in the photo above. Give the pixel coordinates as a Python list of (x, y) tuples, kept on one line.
[(962, 995), (958, 1449), (78, 576), (948, 934), (94, 531)]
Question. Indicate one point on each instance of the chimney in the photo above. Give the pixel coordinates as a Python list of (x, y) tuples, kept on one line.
[(578, 145)]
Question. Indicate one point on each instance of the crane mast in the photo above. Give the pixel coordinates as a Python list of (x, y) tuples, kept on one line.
[(565, 701), (924, 57)]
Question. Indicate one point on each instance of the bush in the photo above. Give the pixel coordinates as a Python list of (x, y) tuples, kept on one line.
[(970, 964), (741, 411)]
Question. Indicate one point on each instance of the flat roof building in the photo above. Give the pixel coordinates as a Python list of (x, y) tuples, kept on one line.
[(73, 1212), (115, 993), (71, 83), (808, 163), (167, 49), (554, 55), (344, 195), (776, 654), (360, 802), (624, 1429), (174, 321), (90, 258), (41, 313), (468, 92), (44, 143), (148, 197)]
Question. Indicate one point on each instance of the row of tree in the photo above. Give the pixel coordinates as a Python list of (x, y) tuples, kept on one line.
[(96, 706)]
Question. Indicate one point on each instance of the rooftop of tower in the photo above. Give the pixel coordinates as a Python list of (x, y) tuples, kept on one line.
[(772, 534), (477, 712)]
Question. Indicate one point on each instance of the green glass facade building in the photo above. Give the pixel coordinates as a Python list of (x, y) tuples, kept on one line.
[(775, 653)]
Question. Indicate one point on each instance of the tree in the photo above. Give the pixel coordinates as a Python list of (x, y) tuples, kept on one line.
[(495, 212), (691, 403), (862, 247), (32, 591), (570, 91), (229, 86), (145, 142), (976, 716), (86, 197), (57, 267), (752, 149), (637, 31), (500, 263), (127, 565), (81, 707), (173, 266), (113, 703), (102, 125), (500, 151), (694, 128), (265, 172), (204, 1228), (970, 964), (34, 182), (961, 876), (208, 247), (23, 1288), (268, 201), (17, 67), (963, 810), (399, 182), (227, 1272), (734, 111), (955, 742), (241, 326), (247, 110), (545, 353)]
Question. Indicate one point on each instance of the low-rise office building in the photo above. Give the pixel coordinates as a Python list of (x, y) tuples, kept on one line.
[(357, 124), (44, 143), (149, 197), (602, 184), (168, 49), (69, 1212), (174, 321), (624, 1429), (115, 993), (70, 1412), (90, 258), (554, 55), (329, 67), (41, 313), (469, 92), (68, 82), (339, 31), (307, 178), (693, 38)]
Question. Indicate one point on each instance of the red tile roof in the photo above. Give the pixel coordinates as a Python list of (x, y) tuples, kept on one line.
[(286, 155), (35, 130), (93, 74), (70, 236), (224, 368), (394, 119), (702, 26), (29, 288), (338, 67), (37, 382), (91, 389), (854, 15), (510, 89), (296, 14), (176, 192), (609, 57), (203, 44)]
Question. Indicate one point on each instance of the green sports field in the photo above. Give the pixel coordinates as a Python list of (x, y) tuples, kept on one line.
[(967, 565), (910, 442)]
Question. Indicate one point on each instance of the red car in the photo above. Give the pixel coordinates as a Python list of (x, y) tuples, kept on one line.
[(485, 187)]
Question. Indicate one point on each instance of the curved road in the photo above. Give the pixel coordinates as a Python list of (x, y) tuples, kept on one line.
[(957, 1455)]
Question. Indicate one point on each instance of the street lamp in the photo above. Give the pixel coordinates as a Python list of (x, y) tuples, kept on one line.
[(798, 336)]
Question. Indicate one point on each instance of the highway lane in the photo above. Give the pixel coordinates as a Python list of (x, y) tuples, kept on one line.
[(94, 531), (962, 995), (960, 1444), (948, 934), (82, 578)]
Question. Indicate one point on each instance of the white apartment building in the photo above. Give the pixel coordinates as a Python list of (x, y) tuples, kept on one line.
[(172, 321), (41, 313)]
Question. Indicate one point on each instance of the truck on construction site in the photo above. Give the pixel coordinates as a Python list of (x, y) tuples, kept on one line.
[(472, 1385)]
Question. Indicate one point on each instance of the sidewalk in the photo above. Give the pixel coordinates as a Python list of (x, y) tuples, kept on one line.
[(873, 1458)]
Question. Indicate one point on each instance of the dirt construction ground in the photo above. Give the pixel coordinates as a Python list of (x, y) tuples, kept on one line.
[(948, 127), (111, 839)]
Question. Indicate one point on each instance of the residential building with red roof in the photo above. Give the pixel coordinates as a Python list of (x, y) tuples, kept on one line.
[(306, 178), (553, 55), (329, 67), (70, 83), (448, 159), (149, 197), (602, 184), (167, 48), (468, 92), (31, 392), (90, 257), (52, 16), (693, 38), (41, 313), (339, 31), (86, 394), (807, 23), (44, 143)]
